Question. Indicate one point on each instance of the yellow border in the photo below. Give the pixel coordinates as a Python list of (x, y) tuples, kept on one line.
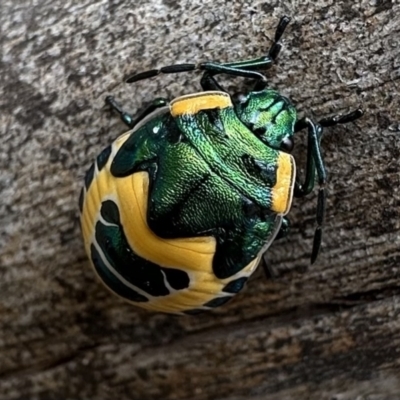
[(192, 255), (193, 103), (282, 192)]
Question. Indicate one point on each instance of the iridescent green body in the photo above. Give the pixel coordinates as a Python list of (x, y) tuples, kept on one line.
[(177, 212), (269, 115), (210, 175)]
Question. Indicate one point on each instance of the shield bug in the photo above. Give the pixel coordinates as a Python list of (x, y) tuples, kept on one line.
[(177, 212)]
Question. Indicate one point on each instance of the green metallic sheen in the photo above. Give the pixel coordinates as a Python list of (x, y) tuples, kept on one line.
[(209, 175), (269, 115)]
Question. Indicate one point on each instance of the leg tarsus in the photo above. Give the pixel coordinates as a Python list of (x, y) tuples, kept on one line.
[(333, 120), (342, 119), (277, 46), (282, 25), (317, 241), (127, 118), (246, 69), (268, 60)]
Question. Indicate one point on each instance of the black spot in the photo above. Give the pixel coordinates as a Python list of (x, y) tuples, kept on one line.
[(112, 281), (176, 278), (235, 286), (129, 160), (81, 198), (89, 176), (259, 132), (219, 301), (124, 163), (109, 211), (103, 157), (138, 271)]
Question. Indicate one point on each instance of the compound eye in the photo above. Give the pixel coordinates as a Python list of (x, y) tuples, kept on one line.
[(287, 144)]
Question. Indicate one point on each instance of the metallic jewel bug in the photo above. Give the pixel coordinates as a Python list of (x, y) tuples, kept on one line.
[(177, 212)]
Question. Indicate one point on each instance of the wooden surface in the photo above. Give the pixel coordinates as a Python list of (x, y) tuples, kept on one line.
[(332, 332)]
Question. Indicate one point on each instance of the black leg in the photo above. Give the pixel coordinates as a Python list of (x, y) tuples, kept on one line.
[(208, 82), (212, 67), (314, 164), (314, 158), (264, 62), (342, 119), (127, 119), (333, 120), (268, 60), (246, 69), (304, 189), (280, 29)]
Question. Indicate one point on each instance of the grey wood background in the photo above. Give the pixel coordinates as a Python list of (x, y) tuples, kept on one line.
[(331, 332)]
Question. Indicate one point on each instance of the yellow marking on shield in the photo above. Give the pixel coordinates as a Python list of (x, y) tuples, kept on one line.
[(282, 192), (102, 187), (193, 103), (192, 255), (203, 288)]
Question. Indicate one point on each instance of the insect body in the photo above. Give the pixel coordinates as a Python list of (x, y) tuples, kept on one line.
[(177, 212)]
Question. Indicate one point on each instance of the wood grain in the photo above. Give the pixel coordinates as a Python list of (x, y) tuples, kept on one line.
[(331, 331)]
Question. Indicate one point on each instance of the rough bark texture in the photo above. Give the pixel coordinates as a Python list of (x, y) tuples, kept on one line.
[(332, 332)]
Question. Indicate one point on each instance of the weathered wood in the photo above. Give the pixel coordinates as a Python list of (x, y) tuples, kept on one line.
[(331, 332)]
